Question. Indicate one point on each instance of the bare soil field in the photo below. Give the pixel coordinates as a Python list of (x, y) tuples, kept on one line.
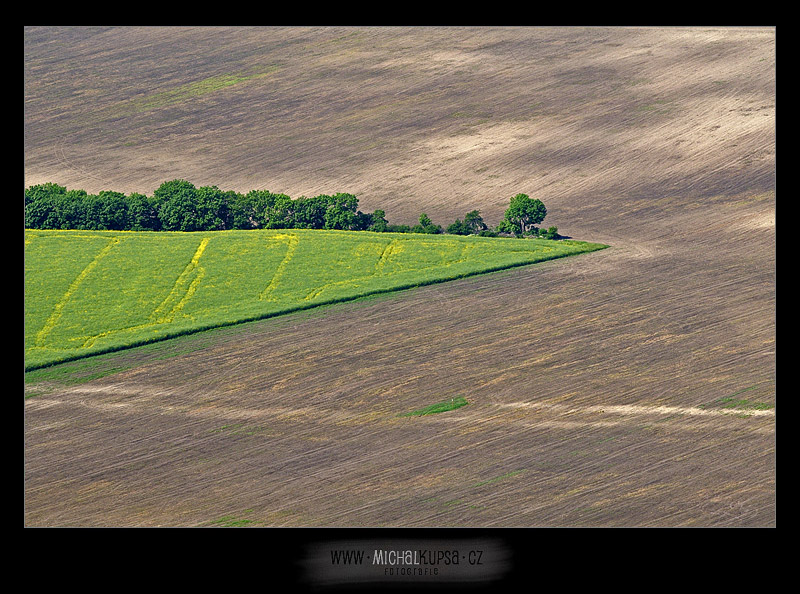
[(629, 387)]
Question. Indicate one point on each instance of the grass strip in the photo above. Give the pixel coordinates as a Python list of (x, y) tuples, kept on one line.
[(439, 407)]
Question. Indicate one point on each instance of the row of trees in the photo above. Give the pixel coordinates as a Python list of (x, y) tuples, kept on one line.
[(178, 205)]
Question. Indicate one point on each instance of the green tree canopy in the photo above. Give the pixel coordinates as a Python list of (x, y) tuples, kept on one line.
[(40, 205), (474, 221), (523, 212), (378, 222), (107, 210), (280, 213), (340, 212), (71, 210), (458, 228), (426, 225), (142, 213), (176, 205), (212, 209), (243, 210), (43, 191), (309, 213)]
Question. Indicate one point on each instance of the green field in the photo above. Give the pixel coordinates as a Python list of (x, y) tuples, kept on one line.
[(88, 292)]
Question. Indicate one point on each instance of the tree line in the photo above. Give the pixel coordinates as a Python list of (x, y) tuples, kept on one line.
[(178, 205)]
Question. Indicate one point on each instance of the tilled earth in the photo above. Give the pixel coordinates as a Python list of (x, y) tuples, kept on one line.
[(634, 386)]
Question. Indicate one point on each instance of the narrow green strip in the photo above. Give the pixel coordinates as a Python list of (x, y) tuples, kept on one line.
[(439, 407)]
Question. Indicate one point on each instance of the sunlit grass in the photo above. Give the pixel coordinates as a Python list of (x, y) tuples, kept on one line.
[(88, 292)]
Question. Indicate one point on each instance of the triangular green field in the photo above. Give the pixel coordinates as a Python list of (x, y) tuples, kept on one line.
[(88, 292)]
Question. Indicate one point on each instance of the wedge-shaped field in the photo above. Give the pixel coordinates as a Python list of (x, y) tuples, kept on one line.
[(88, 292)]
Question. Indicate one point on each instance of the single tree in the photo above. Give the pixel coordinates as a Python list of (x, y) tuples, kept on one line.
[(474, 221), (176, 203), (523, 212)]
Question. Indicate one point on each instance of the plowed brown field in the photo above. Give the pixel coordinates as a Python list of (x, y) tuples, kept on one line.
[(629, 387)]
